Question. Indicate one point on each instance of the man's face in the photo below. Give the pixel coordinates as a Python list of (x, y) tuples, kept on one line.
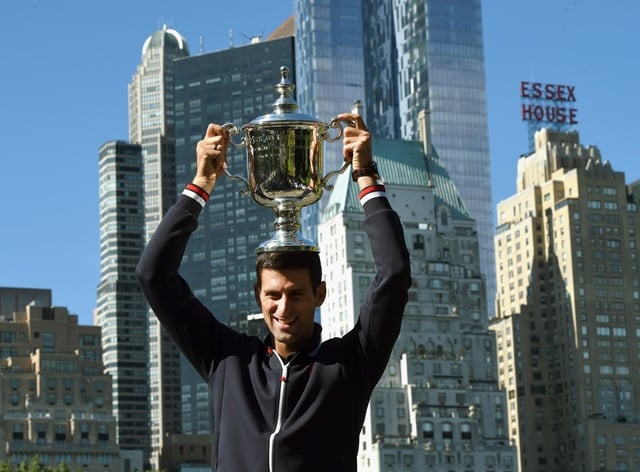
[(288, 304)]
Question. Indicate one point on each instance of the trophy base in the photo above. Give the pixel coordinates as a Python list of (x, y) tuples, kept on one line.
[(287, 242)]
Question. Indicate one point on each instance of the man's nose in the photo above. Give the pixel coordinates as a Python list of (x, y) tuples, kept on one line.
[(283, 306)]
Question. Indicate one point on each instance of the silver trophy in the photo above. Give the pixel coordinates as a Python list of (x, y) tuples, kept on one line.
[(284, 165)]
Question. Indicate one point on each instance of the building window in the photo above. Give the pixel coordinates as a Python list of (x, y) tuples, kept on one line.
[(51, 383), (427, 430), (41, 433), (60, 433), (84, 433), (18, 432), (444, 217), (14, 399), (103, 432), (418, 242), (465, 431), (48, 341)]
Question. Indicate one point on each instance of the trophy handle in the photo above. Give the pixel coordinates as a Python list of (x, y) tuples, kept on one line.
[(335, 123), (233, 129), (325, 179)]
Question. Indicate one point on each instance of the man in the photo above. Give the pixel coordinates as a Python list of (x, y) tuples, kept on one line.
[(289, 403)]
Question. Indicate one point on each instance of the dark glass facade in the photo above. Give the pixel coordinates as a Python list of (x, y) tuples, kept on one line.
[(429, 55), (400, 57), (233, 85)]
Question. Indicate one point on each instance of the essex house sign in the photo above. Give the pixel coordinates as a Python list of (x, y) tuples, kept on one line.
[(548, 103)]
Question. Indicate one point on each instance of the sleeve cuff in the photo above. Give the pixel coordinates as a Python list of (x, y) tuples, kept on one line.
[(371, 192), (197, 193)]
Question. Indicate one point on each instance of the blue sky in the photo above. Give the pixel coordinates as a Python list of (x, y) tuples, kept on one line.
[(67, 63)]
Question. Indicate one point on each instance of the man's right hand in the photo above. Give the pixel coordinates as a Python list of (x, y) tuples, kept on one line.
[(211, 157)]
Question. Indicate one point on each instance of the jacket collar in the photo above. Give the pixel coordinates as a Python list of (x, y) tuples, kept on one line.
[(310, 350)]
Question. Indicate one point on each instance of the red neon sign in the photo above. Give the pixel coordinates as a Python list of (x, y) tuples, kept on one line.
[(548, 103)]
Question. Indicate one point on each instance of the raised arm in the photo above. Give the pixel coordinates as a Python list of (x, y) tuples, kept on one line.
[(381, 313), (192, 327)]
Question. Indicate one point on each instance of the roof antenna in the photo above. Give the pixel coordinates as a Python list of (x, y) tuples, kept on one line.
[(230, 38), (201, 44)]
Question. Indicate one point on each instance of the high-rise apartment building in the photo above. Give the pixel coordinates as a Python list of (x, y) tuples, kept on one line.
[(418, 55), (568, 310), (151, 125), (121, 309), (437, 405), (55, 397)]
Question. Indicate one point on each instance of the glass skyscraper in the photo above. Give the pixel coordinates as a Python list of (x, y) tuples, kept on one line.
[(418, 55), (329, 72)]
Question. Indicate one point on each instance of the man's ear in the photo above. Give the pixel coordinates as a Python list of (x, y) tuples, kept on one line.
[(321, 293), (256, 293)]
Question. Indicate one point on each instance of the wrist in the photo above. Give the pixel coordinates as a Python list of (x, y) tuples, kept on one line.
[(367, 181), (368, 170), (204, 183), (370, 192), (197, 193)]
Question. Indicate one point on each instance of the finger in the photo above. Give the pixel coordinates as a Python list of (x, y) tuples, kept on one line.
[(354, 120), (358, 122), (212, 130)]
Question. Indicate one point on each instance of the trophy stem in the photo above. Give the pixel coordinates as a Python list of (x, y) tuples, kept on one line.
[(287, 226)]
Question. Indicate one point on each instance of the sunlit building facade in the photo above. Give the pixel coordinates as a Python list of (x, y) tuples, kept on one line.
[(151, 125), (14, 299), (568, 310), (55, 397), (437, 405), (121, 309)]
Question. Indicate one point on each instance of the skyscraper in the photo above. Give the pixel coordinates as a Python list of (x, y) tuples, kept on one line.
[(143, 362), (568, 309), (121, 308), (151, 124), (418, 55), (329, 73), (232, 85), (437, 405)]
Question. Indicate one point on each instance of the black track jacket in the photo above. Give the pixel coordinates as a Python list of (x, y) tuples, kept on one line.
[(304, 415)]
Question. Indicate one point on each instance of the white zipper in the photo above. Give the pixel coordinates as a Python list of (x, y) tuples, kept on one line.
[(280, 413)]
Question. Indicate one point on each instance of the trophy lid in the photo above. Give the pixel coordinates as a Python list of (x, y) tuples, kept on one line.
[(285, 107)]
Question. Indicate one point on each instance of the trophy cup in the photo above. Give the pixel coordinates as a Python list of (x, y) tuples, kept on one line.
[(285, 165)]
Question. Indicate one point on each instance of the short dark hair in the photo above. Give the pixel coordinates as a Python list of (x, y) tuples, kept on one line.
[(282, 260)]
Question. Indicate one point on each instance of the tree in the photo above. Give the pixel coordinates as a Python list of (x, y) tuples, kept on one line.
[(35, 465)]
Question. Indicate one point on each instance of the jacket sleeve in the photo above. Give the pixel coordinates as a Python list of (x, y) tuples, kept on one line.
[(380, 317), (189, 323)]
